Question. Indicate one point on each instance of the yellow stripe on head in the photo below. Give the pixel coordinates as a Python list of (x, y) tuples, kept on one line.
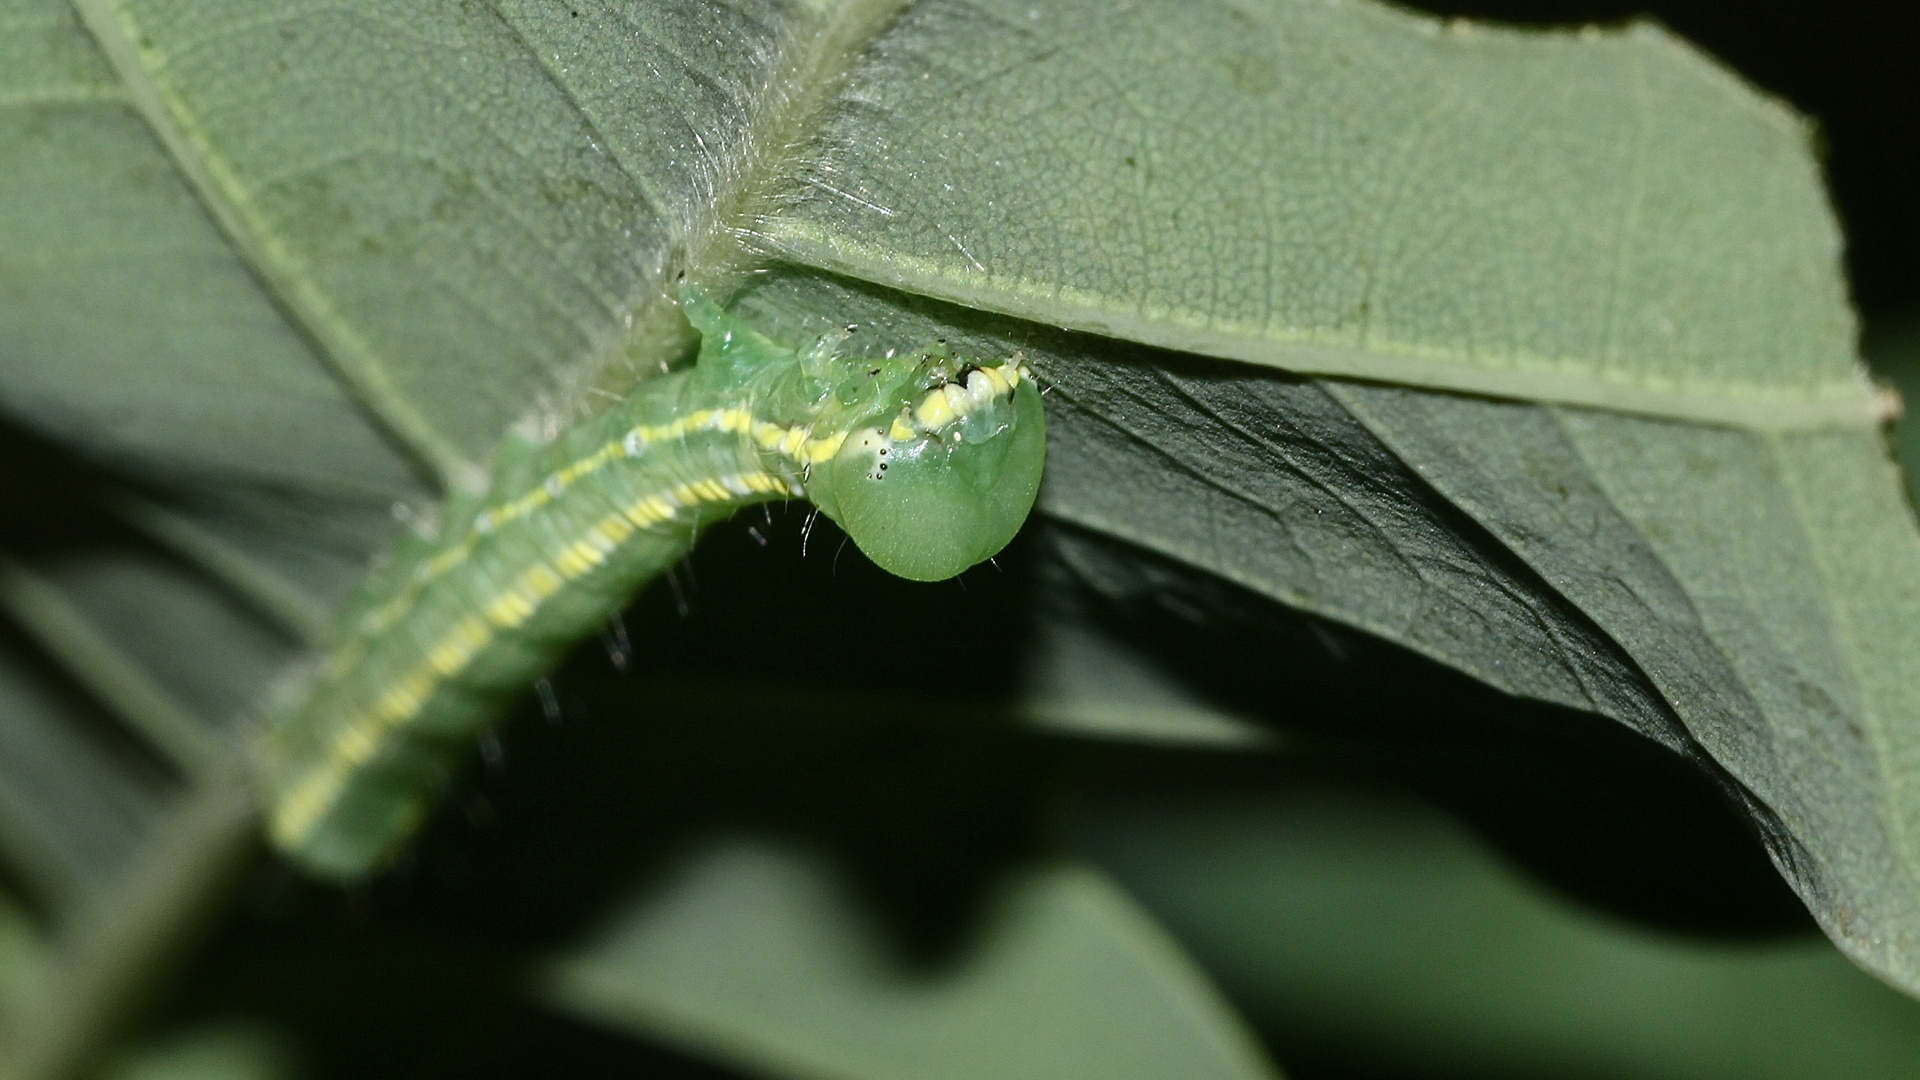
[(934, 411), (949, 402)]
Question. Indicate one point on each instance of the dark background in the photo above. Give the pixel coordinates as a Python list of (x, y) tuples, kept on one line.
[(1853, 67)]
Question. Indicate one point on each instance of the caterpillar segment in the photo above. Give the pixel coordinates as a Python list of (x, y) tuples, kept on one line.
[(930, 464)]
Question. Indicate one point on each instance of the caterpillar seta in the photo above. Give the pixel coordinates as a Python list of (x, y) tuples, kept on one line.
[(929, 462)]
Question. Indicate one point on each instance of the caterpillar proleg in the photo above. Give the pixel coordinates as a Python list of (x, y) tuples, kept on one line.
[(928, 461)]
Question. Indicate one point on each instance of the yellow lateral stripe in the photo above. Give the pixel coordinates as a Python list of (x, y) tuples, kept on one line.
[(577, 559), (296, 815), (816, 451), (727, 421), (612, 531), (451, 557), (514, 605), (509, 609), (722, 420), (649, 512), (938, 407)]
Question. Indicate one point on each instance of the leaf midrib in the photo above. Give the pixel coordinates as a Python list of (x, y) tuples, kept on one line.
[(810, 62), (1852, 404), (350, 357)]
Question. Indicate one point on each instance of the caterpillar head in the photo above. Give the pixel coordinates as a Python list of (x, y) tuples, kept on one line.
[(946, 481)]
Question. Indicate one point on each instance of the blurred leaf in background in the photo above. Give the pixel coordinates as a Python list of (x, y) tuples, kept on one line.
[(1368, 929)]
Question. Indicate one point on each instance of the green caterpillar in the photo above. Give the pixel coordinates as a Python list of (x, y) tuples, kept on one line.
[(930, 463)]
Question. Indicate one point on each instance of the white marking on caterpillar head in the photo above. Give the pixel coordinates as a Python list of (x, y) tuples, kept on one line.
[(878, 446)]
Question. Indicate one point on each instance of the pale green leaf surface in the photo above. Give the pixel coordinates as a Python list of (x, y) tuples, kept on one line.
[(759, 957), (449, 191), (288, 559), (19, 948), (1892, 348), (1766, 584), (1378, 931), (170, 623), (74, 802), (127, 324), (1271, 484), (1601, 218)]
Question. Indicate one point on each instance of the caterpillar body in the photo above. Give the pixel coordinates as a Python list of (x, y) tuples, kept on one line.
[(929, 462)]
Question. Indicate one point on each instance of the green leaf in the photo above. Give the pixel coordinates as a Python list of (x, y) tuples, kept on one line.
[(1765, 583), (287, 266), (759, 957), (191, 369), (1737, 593), (1078, 681), (71, 810), (1371, 930), (20, 950), (229, 1051), (1597, 218), (463, 189), (1893, 348)]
